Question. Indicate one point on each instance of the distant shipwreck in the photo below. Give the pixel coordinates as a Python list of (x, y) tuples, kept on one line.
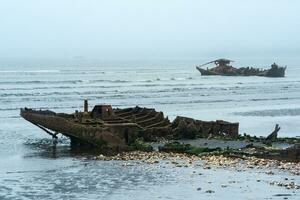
[(224, 68), (116, 129)]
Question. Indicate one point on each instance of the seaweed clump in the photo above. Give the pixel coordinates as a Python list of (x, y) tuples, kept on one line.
[(140, 145), (177, 147)]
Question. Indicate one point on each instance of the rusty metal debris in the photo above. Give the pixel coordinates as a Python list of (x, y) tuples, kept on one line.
[(273, 136)]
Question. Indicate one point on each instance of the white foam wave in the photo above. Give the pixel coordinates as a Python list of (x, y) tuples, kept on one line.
[(29, 71)]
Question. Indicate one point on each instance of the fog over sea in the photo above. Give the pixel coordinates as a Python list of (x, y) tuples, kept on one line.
[(31, 167)]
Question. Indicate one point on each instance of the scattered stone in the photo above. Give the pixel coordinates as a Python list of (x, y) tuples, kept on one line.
[(290, 185), (186, 160), (210, 191), (270, 173), (282, 195)]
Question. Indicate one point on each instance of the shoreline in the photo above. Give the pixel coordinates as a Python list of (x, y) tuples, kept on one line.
[(206, 161), (239, 165)]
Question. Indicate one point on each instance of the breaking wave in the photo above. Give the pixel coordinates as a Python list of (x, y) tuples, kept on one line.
[(271, 112), (62, 82)]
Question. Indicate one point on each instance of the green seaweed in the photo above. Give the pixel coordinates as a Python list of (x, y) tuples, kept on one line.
[(140, 145), (199, 150), (177, 147)]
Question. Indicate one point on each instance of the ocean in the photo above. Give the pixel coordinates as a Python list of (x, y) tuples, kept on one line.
[(31, 167)]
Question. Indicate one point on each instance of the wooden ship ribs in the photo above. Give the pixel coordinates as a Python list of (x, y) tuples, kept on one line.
[(118, 128)]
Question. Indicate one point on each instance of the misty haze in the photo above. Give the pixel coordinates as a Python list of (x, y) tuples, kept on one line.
[(149, 99)]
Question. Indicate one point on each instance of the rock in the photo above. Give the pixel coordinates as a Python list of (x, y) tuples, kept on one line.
[(210, 191), (209, 161), (270, 173), (282, 195)]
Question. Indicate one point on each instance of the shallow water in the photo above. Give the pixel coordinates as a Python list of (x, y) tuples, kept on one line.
[(31, 167)]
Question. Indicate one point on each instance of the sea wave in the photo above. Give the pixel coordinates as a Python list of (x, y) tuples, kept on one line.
[(41, 108), (61, 82), (58, 87), (29, 71), (271, 112)]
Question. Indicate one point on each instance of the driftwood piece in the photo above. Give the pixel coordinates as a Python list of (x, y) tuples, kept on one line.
[(274, 134)]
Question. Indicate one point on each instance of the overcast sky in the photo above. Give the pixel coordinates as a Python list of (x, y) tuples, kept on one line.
[(144, 29)]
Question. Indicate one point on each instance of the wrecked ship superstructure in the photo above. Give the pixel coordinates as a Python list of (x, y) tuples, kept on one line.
[(118, 128), (224, 68)]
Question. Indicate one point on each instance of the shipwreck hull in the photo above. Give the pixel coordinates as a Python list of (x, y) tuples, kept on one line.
[(279, 72), (224, 69), (119, 128), (81, 133), (193, 127), (206, 72), (154, 123)]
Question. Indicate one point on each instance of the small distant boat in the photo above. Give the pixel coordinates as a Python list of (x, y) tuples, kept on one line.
[(224, 68)]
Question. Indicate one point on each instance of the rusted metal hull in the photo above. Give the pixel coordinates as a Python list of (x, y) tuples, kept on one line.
[(76, 131), (231, 71), (205, 72), (121, 127), (189, 126)]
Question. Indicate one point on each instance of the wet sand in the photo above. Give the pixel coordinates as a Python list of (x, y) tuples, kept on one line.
[(218, 177)]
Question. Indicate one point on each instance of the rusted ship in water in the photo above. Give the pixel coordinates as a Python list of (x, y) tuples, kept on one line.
[(116, 129), (224, 68)]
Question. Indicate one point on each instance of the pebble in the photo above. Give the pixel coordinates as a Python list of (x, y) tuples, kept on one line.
[(209, 161), (290, 185), (270, 173)]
